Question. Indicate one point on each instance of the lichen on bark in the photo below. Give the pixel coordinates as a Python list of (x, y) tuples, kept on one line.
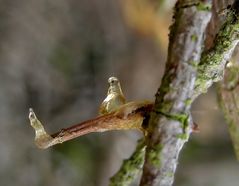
[(130, 167), (170, 121), (209, 70), (213, 61)]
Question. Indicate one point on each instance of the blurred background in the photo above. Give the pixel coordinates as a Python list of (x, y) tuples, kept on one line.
[(56, 57)]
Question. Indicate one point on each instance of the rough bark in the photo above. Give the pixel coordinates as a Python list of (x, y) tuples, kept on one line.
[(170, 114), (169, 124), (221, 51), (213, 61)]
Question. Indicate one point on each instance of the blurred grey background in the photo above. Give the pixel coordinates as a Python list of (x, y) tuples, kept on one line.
[(56, 57)]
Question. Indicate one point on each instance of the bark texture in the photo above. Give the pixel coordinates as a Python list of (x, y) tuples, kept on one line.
[(171, 116), (170, 120)]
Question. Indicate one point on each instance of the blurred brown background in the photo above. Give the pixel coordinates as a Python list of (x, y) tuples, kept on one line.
[(56, 57)]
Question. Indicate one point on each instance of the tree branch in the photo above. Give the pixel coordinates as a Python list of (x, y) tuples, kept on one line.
[(128, 116), (170, 120), (169, 117), (229, 102), (184, 52), (213, 61)]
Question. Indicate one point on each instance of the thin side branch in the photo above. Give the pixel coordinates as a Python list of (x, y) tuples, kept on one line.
[(128, 116)]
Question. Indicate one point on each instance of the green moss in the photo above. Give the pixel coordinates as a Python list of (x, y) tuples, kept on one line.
[(188, 102), (200, 84), (182, 118), (182, 136), (169, 174), (130, 167), (211, 66), (164, 88), (204, 6), (154, 155), (193, 63), (194, 37)]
